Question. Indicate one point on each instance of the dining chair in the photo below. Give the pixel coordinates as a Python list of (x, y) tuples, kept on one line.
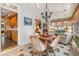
[(54, 44), (68, 38), (37, 46), (62, 39)]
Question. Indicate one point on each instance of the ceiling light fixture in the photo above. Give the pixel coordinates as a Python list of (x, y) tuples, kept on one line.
[(65, 10), (3, 11), (46, 14), (7, 4), (38, 5)]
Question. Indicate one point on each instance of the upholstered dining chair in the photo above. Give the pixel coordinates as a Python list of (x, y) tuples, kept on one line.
[(37, 45), (54, 44), (68, 37)]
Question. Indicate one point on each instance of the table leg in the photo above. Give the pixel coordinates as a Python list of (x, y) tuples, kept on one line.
[(46, 43)]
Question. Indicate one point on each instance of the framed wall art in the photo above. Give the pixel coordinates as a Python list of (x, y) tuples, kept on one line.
[(27, 21)]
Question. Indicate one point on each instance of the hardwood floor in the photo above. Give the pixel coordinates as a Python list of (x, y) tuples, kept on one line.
[(7, 44)]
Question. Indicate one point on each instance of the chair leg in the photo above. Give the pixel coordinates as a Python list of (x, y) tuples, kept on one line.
[(51, 50)]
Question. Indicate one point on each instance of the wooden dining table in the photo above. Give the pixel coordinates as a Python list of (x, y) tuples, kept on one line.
[(47, 38)]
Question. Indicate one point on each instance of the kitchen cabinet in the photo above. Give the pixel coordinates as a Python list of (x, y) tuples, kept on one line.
[(15, 36)]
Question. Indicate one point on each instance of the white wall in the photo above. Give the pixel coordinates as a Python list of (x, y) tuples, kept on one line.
[(24, 30), (25, 10), (0, 29)]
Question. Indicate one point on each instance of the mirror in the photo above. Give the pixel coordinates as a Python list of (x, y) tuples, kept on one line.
[(9, 28)]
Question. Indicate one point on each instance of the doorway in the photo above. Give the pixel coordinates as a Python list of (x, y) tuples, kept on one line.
[(9, 28)]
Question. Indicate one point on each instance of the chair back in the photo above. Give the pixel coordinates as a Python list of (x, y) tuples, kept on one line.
[(68, 37), (37, 45), (55, 42)]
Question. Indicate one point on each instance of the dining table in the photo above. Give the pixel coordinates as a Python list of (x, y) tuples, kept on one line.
[(47, 38)]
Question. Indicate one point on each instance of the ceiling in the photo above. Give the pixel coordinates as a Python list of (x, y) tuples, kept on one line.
[(7, 13), (60, 10)]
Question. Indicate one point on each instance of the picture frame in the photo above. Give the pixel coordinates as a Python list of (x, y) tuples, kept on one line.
[(27, 21)]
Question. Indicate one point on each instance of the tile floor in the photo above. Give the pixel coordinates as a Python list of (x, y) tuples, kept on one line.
[(61, 50)]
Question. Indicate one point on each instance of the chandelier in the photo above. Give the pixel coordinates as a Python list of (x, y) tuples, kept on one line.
[(46, 14)]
